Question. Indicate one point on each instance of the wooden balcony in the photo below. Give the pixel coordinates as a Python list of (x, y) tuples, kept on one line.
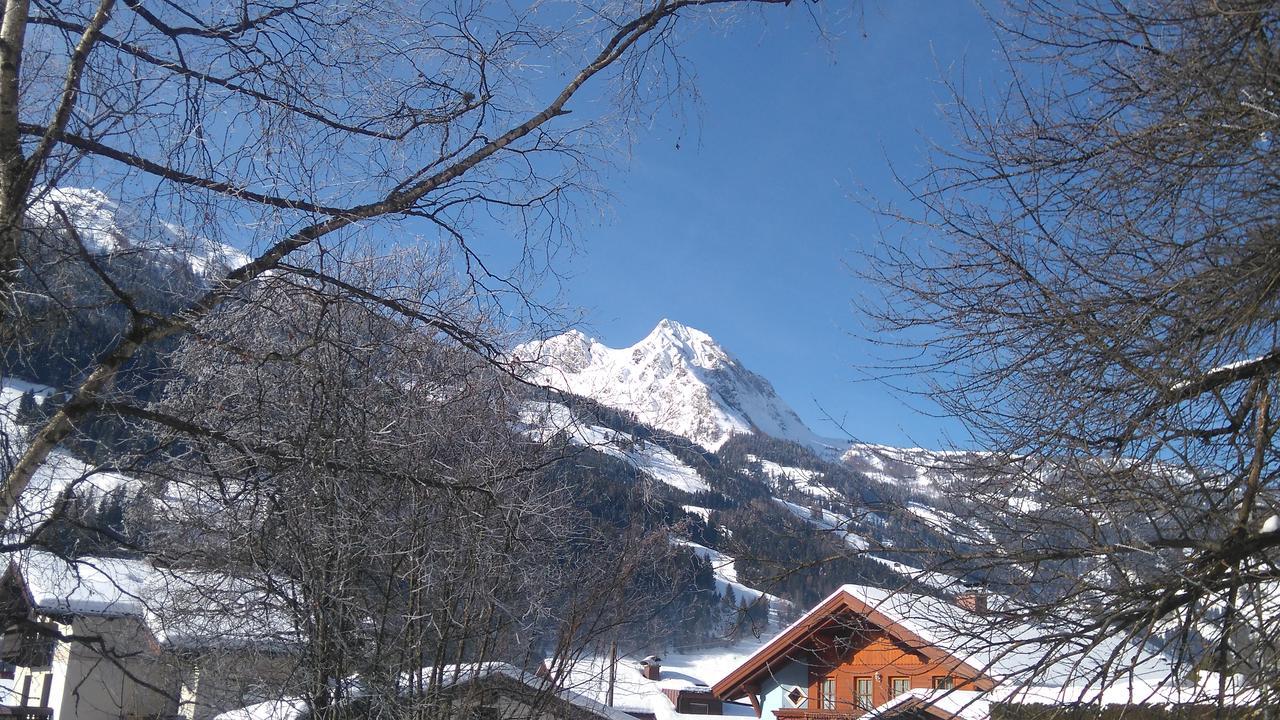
[(25, 712), (803, 714)]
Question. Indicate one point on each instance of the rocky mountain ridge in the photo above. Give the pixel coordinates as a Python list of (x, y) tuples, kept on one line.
[(677, 379)]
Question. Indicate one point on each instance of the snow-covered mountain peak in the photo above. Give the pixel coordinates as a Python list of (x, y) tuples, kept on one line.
[(572, 350), (90, 211), (678, 379), (106, 228), (678, 340)]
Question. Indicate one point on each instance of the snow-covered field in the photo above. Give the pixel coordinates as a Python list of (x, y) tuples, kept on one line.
[(543, 420), (726, 575), (799, 479), (923, 471)]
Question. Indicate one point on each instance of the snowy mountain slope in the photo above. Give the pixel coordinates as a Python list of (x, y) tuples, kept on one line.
[(60, 474), (917, 468), (828, 521), (726, 575), (106, 228), (677, 379), (542, 420)]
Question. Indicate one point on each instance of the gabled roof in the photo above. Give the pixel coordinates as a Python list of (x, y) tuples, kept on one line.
[(639, 696), (981, 647), (922, 623), (179, 608)]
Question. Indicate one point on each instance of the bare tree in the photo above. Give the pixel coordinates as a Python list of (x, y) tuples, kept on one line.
[(335, 427), (1097, 302), (303, 125)]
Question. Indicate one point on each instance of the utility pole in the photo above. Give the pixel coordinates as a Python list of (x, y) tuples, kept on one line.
[(613, 672)]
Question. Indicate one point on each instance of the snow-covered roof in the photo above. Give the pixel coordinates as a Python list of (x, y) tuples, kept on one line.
[(179, 608), (680, 671), (959, 704), (97, 586), (1130, 692), (1004, 653), (450, 676)]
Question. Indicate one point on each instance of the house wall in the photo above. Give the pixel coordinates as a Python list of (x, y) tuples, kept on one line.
[(217, 681), (116, 669), (34, 679), (774, 689), (874, 655), (124, 675)]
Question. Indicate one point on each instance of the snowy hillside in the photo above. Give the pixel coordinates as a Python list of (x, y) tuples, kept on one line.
[(915, 468), (62, 474), (106, 228), (542, 420), (677, 379)]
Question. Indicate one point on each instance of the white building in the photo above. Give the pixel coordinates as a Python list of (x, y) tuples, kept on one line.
[(109, 638)]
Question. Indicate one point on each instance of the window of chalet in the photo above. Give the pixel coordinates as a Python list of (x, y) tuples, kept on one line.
[(863, 689), (943, 682), (30, 645), (827, 694), (899, 685), (796, 697)]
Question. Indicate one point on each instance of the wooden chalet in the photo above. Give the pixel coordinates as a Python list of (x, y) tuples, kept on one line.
[(859, 649)]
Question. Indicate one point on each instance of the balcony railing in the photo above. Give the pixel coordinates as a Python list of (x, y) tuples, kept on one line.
[(24, 712), (803, 714)]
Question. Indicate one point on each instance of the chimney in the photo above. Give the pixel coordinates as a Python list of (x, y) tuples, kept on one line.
[(973, 599), (651, 667)]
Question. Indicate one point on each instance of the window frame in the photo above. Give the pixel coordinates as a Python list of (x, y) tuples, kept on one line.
[(894, 684), (827, 693), (864, 701)]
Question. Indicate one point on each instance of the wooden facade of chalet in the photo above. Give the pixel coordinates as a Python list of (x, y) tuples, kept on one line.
[(841, 660)]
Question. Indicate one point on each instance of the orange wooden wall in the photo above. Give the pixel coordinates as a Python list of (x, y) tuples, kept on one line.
[(869, 653)]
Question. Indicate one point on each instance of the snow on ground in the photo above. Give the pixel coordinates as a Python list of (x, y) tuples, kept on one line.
[(1025, 504), (681, 668), (704, 513), (287, 708), (921, 470), (829, 521), (543, 420), (801, 479), (942, 581), (951, 524), (726, 575), (59, 474)]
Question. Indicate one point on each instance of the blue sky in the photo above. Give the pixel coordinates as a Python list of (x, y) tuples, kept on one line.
[(740, 218)]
